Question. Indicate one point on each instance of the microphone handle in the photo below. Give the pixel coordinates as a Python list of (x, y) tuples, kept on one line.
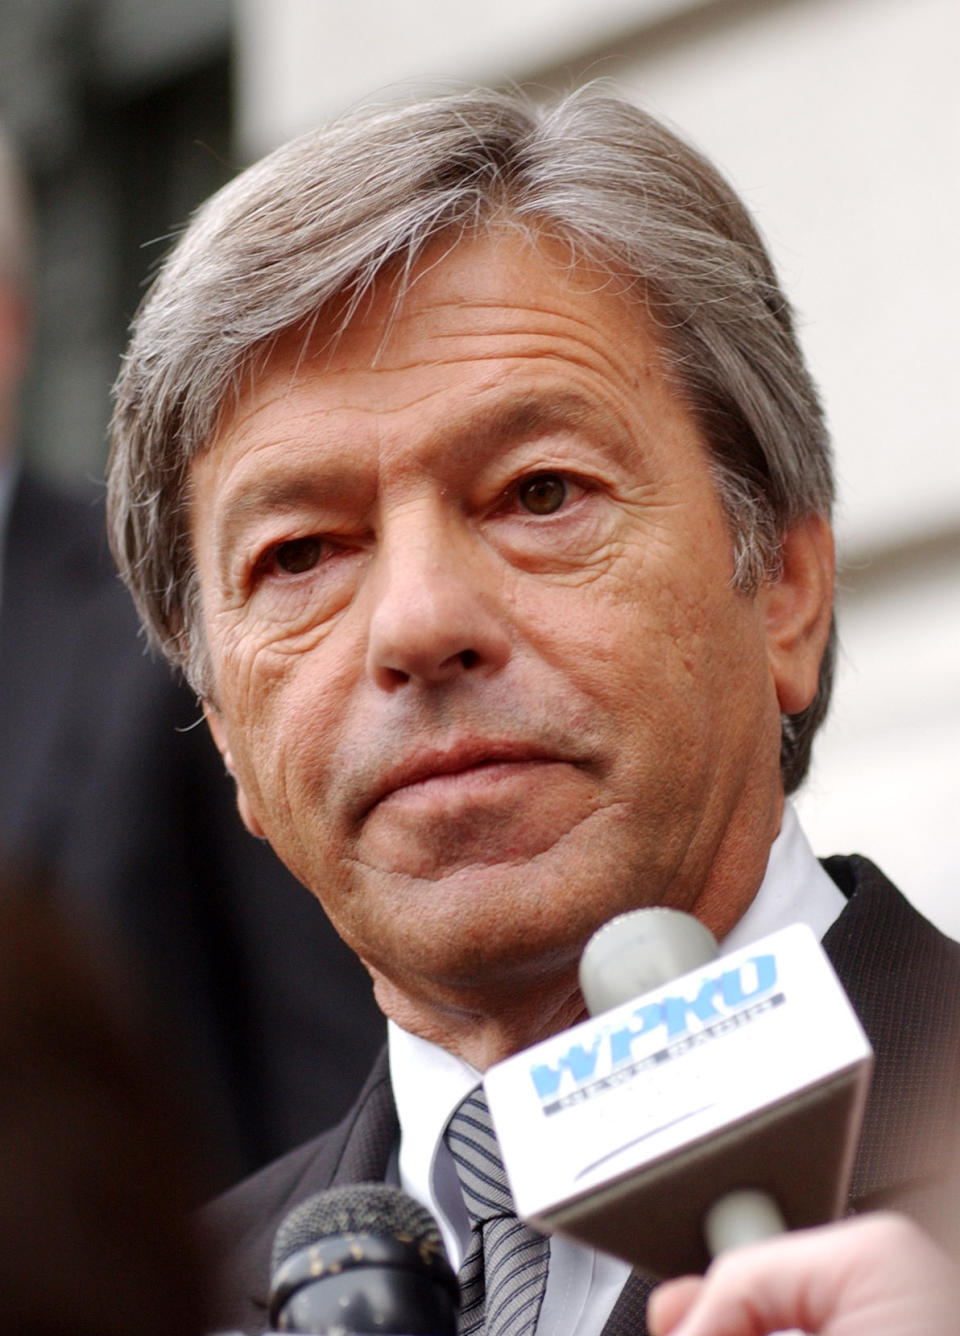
[(744, 1216)]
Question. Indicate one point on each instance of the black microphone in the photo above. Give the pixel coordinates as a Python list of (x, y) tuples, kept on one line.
[(689, 1113), (358, 1259)]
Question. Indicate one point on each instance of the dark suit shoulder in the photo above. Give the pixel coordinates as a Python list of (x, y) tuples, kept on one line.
[(236, 1218), (903, 977), (902, 973), (237, 1229)]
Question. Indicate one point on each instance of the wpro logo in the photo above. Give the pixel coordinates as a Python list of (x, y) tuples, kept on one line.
[(720, 1003)]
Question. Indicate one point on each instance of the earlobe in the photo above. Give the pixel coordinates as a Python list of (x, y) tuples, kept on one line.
[(219, 734), (798, 606)]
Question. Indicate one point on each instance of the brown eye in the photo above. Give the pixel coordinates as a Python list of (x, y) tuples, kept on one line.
[(298, 555), (543, 494)]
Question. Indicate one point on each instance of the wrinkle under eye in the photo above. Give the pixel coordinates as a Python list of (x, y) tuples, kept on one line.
[(543, 494)]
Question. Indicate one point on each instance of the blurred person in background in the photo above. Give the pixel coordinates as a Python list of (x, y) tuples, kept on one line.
[(106, 781), (97, 1161)]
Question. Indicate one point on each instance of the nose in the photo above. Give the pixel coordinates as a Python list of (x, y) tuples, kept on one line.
[(436, 615)]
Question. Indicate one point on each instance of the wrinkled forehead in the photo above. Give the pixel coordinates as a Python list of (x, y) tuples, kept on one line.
[(497, 292), (498, 329)]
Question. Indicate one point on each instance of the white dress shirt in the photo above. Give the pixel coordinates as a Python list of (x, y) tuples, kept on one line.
[(429, 1083)]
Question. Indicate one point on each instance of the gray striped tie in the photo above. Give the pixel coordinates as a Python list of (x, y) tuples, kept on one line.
[(503, 1275)]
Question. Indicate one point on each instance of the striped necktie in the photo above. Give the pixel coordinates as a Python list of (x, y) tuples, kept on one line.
[(504, 1272)]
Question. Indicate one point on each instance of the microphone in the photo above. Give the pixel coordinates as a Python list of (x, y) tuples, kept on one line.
[(637, 952), (632, 954), (688, 1114), (362, 1258)]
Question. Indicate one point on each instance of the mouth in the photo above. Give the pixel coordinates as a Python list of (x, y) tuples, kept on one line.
[(455, 768)]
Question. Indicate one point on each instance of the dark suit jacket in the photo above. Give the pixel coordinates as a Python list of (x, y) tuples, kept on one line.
[(106, 784), (902, 976)]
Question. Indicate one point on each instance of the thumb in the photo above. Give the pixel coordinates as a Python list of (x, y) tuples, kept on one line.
[(670, 1302)]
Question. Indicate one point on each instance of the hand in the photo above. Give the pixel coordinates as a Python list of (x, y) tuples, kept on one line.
[(878, 1275)]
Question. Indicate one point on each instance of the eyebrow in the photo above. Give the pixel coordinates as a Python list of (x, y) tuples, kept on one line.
[(491, 428), (531, 414)]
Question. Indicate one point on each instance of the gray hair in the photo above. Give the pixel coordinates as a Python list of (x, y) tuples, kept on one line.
[(315, 223)]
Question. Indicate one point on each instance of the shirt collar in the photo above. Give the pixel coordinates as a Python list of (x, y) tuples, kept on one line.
[(795, 889), (428, 1084)]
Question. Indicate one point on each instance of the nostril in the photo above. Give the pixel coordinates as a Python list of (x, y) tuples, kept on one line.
[(469, 658), (392, 677)]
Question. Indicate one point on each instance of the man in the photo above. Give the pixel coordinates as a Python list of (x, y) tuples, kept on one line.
[(465, 459), (106, 780)]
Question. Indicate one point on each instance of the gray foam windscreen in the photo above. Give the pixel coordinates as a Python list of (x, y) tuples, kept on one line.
[(360, 1208)]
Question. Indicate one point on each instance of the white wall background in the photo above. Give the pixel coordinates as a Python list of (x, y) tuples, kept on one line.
[(839, 122)]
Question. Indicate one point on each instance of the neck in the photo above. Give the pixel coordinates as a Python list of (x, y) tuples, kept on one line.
[(485, 1031)]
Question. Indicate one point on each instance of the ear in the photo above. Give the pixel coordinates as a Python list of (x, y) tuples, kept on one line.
[(797, 608), (219, 732)]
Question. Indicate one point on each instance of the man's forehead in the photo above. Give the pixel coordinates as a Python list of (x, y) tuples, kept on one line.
[(476, 299), (457, 281)]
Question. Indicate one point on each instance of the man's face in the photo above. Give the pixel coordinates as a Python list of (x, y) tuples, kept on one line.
[(480, 671)]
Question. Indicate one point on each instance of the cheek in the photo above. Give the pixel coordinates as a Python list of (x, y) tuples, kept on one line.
[(284, 710), (660, 643), (623, 637)]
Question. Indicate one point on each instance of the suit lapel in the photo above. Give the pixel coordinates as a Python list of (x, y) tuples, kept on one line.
[(373, 1134), (629, 1315), (902, 977), (237, 1230)]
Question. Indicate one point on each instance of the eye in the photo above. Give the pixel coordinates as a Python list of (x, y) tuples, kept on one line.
[(298, 555), (543, 493)]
